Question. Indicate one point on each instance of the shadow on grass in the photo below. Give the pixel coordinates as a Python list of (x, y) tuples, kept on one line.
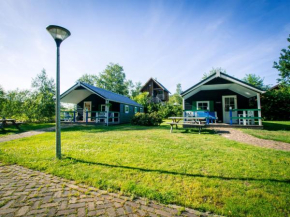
[(175, 173), (129, 127), (276, 126)]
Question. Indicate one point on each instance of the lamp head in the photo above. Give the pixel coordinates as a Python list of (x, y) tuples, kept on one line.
[(58, 33)]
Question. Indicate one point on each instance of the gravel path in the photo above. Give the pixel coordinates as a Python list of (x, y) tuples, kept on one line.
[(239, 136), (29, 133), (25, 192)]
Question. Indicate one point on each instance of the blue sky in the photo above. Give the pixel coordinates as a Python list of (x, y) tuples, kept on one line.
[(173, 41)]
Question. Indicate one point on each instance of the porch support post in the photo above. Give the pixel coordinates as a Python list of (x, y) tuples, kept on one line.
[(231, 116), (244, 118), (183, 107), (259, 107), (107, 112), (74, 116)]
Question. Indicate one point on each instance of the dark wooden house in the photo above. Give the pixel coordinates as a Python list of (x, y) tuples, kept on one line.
[(221, 93), (157, 92), (97, 105)]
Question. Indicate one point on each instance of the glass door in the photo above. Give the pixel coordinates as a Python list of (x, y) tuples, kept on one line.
[(229, 102)]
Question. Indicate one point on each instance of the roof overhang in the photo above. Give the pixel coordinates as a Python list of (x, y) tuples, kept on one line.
[(236, 86), (157, 83), (75, 96)]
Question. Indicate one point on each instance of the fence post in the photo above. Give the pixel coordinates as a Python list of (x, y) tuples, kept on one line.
[(87, 116), (231, 116), (74, 116)]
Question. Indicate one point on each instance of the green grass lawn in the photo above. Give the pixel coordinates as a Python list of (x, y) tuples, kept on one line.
[(273, 130), (205, 172), (10, 129)]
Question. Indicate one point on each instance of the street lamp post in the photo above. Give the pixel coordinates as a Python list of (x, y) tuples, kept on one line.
[(59, 34)]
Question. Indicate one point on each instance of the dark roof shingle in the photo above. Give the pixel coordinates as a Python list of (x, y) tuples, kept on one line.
[(109, 95)]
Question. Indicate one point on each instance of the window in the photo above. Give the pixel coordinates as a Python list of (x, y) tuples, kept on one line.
[(229, 103), (141, 110), (126, 109), (202, 105), (103, 108), (136, 109)]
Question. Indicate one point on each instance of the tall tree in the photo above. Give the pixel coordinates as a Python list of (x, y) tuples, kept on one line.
[(2, 99), (283, 66), (176, 99), (113, 78), (255, 80), (178, 89), (89, 79), (212, 71), (44, 92), (135, 90)]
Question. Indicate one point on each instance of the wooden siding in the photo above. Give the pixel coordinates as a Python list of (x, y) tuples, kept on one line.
[(96, 102), (152, 87), (126, 117), (215, 98)]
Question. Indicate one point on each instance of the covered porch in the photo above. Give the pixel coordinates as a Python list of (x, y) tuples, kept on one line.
[(89, 107), (224, 100)]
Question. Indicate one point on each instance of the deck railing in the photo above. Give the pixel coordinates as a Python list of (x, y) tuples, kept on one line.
[(111, 117), (246, 116), (208, 115)]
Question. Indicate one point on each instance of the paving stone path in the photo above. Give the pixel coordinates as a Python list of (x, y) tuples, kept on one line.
[(25, 192)]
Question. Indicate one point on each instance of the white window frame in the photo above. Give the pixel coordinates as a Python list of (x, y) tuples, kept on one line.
[(208, 108), (103, 106), (125, 109), (136, 109), (141, 110)]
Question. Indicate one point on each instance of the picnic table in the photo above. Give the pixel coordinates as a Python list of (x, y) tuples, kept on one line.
[(4, 122), (197, 122)]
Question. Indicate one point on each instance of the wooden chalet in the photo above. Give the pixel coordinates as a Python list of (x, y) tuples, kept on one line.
[(157, 92), (97, 105), (231, 100)]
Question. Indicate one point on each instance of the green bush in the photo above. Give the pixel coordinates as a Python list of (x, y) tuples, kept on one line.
[(275, 104), (145, 119)]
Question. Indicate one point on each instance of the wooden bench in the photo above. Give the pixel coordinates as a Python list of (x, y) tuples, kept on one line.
[(194, 125), (4, 122)]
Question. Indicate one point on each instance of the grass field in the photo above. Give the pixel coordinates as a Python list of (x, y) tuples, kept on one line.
[(273, 130), (24, 127), (205, 172)]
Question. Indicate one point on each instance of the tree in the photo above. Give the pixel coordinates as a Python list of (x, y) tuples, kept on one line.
[(13, 106), (135, 90), (283, 66), (212, 71), (142, 99), (276, 104), (178, 89), (89, 79), (176, 99), (113, 78), (44, 92), (256, 81), (2, 99)]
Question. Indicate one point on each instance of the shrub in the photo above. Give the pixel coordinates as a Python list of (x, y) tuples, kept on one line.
[(275, 104), (145, 119)]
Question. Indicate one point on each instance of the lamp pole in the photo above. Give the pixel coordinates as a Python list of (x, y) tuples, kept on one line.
[(59, 34)]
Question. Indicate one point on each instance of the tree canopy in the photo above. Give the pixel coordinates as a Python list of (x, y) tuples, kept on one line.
[(256, 81), (30, 105), (89, 79), (113, 78), (176, 99), (283, 66)]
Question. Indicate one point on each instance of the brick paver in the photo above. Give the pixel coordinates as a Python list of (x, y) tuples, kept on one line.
[(24, 192)]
